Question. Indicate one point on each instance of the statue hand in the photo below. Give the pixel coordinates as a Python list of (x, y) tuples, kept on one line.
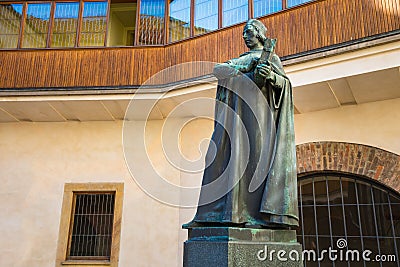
[(265, 71)]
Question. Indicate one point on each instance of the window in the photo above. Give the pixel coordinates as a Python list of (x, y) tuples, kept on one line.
[(262, 8), (335, 206), (10, 24), (151, 22), (36, 25), (53, 24), (100, 23), (65, 24), (234, 11), (292, 3), (179, 20), (94, 21), (90, 224), (205, 16)]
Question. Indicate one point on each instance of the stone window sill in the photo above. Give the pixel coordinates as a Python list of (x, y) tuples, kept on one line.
[(77, 263)]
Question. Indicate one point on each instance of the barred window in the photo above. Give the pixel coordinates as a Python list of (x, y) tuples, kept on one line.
[(92, 226), (338, 206)]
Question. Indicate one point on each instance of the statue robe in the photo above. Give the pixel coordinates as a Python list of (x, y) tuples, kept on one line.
[(250, 174)]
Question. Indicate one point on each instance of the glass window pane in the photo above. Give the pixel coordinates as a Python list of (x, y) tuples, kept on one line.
[(262, 7), (324, 243), (205, 16), (394, 199), (352, 224), (94, 21), (10, 24), (36, 25), (321, 197), (65, 25), (310, 244), (334, 192), (291, 3), (396, 218), (308, 220), (387, 246), (179, 20), (380, 196), (337, 221), (151, 28), (367, 220), (383, 219), (307, 193), (364, 193), (371, 243), (353, 243), (323, 220), (234, 11), (349, 191)]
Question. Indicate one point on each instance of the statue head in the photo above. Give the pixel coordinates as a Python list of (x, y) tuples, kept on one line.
[(254, 34)]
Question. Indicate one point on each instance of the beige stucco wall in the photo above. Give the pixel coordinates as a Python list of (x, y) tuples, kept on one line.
[(37, 159), (375, 124)]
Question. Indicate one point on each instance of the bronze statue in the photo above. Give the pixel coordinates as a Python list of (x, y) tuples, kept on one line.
[(250, 177)]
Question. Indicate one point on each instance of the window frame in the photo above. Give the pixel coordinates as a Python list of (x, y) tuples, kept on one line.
[(49, 37), (67, 215), (165, 38)]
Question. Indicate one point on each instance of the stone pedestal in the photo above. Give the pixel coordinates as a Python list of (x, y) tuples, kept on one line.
[(241, 247)]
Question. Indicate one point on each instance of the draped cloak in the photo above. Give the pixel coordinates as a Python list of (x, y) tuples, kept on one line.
[(250, 175)]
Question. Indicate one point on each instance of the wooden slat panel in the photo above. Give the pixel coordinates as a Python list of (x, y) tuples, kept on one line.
[(307, 27)]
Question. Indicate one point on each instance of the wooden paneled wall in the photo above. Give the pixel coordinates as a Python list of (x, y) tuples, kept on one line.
[(311, 26)]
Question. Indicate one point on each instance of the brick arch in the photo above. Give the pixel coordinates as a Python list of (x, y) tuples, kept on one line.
[(372, 162)]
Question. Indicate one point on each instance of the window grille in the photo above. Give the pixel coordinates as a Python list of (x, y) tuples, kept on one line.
[(339, 206), (92, 226)]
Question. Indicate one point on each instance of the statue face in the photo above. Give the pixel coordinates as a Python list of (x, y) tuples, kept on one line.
[(250, 37)]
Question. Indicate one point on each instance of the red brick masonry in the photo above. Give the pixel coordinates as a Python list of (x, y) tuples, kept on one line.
[(372, 162)]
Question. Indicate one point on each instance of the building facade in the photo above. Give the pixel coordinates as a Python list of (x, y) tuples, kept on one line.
[(106, 110)]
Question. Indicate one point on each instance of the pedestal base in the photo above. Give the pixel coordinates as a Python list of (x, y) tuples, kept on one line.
[(241, 247)]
